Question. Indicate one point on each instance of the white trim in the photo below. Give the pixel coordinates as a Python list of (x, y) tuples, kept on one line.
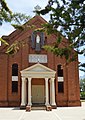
[(14, 78), (0, 43), (60, 79)]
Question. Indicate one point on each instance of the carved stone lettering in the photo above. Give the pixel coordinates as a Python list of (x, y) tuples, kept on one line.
[(34, 58)]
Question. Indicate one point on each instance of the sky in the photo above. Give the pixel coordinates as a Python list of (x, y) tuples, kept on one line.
[(27, 7), (21, 6)]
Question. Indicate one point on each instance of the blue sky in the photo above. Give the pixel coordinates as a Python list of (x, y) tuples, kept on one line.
[(27, 7)]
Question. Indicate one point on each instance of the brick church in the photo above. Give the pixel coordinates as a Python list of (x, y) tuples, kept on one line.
[(35, 76)]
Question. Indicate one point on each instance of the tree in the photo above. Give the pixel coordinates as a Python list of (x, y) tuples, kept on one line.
[(82, 88), (15, 19), (6, 15), (67, 18)]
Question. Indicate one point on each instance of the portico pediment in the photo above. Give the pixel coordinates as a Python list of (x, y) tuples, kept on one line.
[(38, 70)]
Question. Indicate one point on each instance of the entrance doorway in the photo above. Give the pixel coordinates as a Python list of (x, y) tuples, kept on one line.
[(38, 94)]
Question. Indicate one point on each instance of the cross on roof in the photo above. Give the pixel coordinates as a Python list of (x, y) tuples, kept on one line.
[(37, 8)]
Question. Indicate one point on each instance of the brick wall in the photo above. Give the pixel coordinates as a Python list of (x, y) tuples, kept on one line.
[(71, 95)]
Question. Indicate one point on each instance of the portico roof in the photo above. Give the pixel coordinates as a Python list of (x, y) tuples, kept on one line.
[(38, 71)]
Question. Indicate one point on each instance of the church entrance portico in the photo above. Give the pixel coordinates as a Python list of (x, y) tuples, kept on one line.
[(38, 91)]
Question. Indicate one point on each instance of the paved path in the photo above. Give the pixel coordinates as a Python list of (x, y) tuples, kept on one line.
[(61, 113)]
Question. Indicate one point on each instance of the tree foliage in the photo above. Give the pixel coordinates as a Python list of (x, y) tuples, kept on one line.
[(82, 88), (68, 18), (6, 15), (15, 19)]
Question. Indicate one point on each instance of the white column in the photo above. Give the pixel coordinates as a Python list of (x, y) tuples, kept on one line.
[(29, 92), (50, 92), (46, 92), (23, 94), (53, 92)]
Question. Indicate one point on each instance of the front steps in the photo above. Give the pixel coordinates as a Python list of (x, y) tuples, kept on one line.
[(39, 108)]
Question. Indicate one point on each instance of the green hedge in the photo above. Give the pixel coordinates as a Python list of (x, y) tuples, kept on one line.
[(82, 94)]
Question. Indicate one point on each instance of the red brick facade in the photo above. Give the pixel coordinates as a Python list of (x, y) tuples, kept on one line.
[(71, 94)]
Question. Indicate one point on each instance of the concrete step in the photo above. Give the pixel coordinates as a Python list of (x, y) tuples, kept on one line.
[(38, 108)]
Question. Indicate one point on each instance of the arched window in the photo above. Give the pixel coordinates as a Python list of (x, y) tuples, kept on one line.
[(60, 79), (15, 78), (60, 71), (15, 70)]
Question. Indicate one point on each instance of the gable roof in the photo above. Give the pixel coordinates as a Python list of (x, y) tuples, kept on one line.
[(30, 22), (36, 20)]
